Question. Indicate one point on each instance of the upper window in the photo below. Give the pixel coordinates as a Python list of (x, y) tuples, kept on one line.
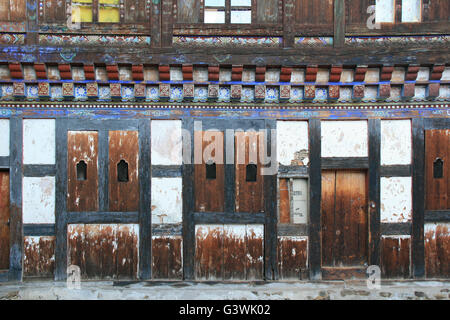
[(385, 11), (228, 11), (86, 11)]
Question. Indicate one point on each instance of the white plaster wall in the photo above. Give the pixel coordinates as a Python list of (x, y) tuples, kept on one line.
[(38, 199), (166, 142), (4, 137), (344, 139), (39, 141), (292, 136), (167, 200), (423, 74), (384, 11), (446, 74), (411, 10), (372, 75), (176, 74), (323, 75), (347, 75), (298, 75), (396, 142), (396, 199)]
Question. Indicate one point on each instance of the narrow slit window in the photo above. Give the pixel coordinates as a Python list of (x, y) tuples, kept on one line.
[(122, 171), (438, 168), (251, 172), (81, 171), (211, 171)]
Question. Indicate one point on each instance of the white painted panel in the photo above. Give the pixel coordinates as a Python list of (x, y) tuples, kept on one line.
[(167, 200), (214, 16), (166, 142), (4, 137), (298, 75), (385, 11), (300, 201), (396, 142), (255, 231), (411, 10), (398, 75), (347, 75), (39, 141), (431, 227), (38, 199), (396, 199), (423, 74), (241, 16), (203, 230), (292, 142), (176, 74), (323, 75), (372, 75), (445, 74), (344, 139)]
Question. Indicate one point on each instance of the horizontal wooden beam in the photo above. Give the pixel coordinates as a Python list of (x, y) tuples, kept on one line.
[(39, 230), (293, 230), (161, 171), (438, 123), (229, 218), (293, 171), (396, 171), (173, 229), (388, 229), (39, 170), (4, 162), (437, 216), (345, 163), (102, 217)]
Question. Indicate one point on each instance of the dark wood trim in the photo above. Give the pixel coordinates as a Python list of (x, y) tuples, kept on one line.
[(293, 171), (161, 171), (145, 216), (15, 180), (4, 162), (436, 123), (60, 200), (391, 229), (188, 207), (437, 216), (103, 170), (315, 195), (299, 230), (79, 124), (345, 163), (4, 275), (39, 170), (167, 229), (270, 205), (339, 23), (374, 190), (102, 217), (418, 186), (396, 171), (37, 230), (229, 218)]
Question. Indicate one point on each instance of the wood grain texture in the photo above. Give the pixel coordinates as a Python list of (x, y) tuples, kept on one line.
[(4, 219), (437, 252), (249, 194), (292, 257), (345, 227), (104, 251), (285, 205), (82, 195), (395, 257), (209, 193), (267, 11), (12, 10), (39, 256), (188, 11), (437, 145), (208, 252), (167, 257), (124, 145)]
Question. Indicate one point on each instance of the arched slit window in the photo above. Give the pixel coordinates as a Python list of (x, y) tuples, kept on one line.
[(210, 171), (122, 171), (251, 172), (81, 171), (438, 168)]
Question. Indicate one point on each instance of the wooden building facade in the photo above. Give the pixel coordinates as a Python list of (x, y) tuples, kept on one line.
[(224, 140)]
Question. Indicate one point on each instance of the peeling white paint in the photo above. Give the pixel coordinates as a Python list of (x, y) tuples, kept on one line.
[(323, 75), (396, 142), (423, 74), (398, 237), (292, 137), (372, 75), (166, 142), (344, 139), (200, 74), (431, 227), (167, 201), (398, 75), (38, 199), (4, 137), (396, 199), (298, 75), (39, 141)]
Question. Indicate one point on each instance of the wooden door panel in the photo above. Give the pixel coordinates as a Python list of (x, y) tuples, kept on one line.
[(4, 220), (344, 218), (437, 148), (210, 191)]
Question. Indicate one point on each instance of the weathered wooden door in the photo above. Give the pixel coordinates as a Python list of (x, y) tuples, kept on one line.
[(229, 245), (344, 218), (4, 220)]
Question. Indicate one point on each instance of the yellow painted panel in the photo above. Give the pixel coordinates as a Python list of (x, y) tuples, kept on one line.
[(109, 15), (109, 1), (82, 14), (82, 1)]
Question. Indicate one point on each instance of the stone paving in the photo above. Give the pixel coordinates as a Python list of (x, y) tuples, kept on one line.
[(330, 290)]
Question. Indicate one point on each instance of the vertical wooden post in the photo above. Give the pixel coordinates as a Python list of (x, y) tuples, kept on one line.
[(156, 24), (339, 23), (288, 20), (374, 191), (315, 195), (32, 14), (418, 247)]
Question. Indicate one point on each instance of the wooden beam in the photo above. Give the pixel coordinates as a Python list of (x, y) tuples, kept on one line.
[(39, 230), (396, 171), (339, 23), (417, 247), (315, 195), (391, 229), (345, 163), (437, 216)]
